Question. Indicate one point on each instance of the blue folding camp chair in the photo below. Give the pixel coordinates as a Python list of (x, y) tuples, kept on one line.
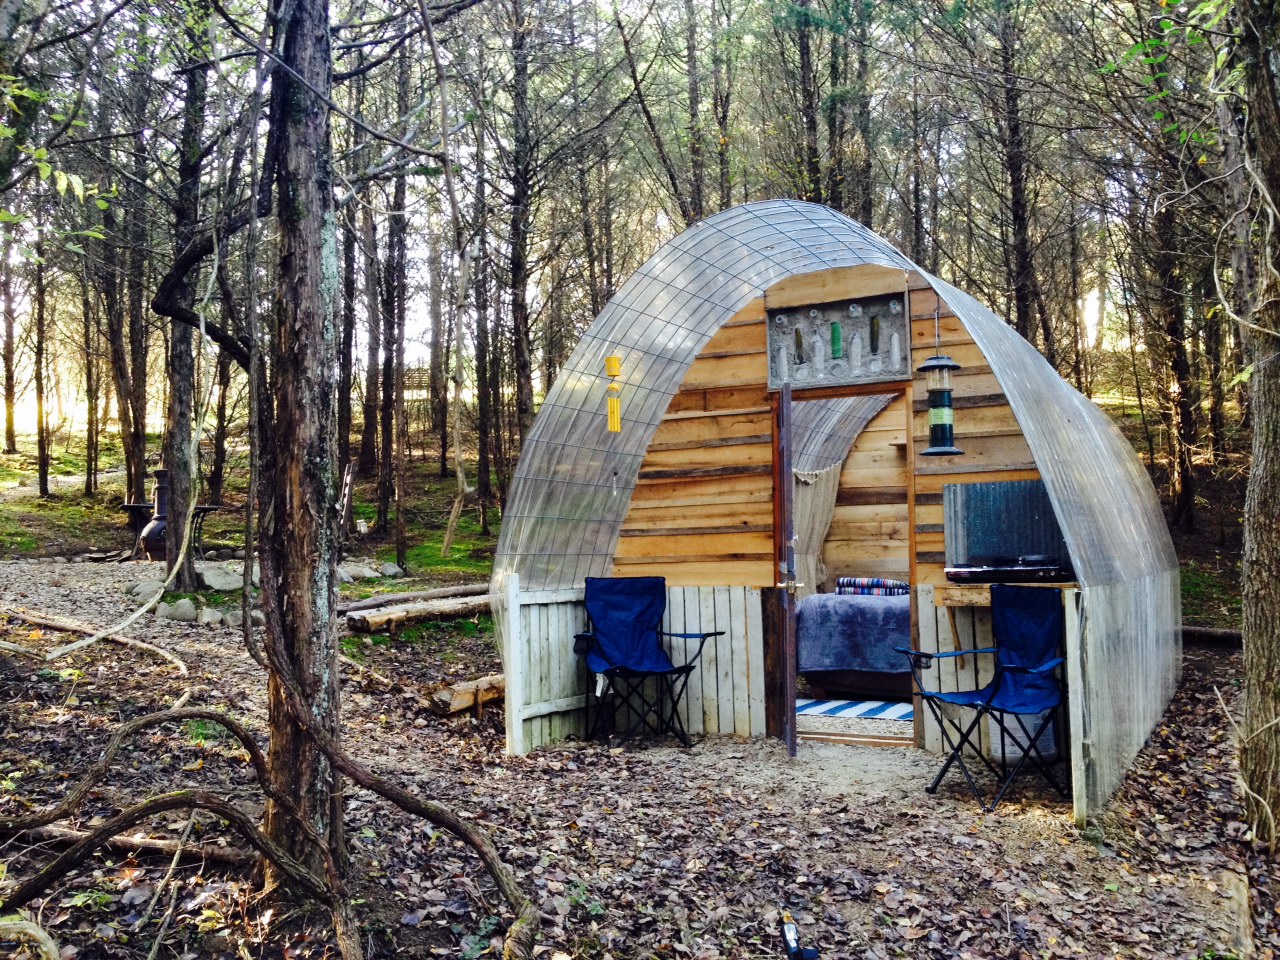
[(1027, 623), (625, 647)]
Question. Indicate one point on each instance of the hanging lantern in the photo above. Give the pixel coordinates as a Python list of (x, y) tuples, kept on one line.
[(937, 372), (613, 368)]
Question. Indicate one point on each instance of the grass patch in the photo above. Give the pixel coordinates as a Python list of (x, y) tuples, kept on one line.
[(1210, 598), (203, 731)]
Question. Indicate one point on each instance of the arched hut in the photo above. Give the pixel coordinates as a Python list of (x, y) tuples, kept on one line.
[(711, 330)]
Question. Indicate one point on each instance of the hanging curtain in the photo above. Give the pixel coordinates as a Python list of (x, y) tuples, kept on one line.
[(815, 501)]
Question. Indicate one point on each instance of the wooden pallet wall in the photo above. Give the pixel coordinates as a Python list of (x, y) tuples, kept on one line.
[(548, 685), (702, 509)]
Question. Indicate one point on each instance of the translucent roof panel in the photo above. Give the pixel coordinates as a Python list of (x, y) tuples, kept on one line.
[(572, 487), (823, 431)]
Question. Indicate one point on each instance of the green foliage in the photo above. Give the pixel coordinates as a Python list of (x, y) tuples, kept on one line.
[(1209, 597), (202, 731)]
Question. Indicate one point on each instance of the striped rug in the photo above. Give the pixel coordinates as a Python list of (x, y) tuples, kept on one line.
[(868, 709)]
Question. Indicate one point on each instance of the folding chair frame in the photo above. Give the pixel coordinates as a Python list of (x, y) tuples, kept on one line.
[(963, 734), (659, 714)]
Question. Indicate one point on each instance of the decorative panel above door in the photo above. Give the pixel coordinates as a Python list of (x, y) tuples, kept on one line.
[(837, 344)]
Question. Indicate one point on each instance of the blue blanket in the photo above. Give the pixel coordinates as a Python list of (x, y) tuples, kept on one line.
[(836, 632)]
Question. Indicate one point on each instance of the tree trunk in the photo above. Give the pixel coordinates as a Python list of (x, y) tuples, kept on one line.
[(298, 479), (218, 466), (721, 98), (810, 162), (88, 333), (345, 359), (135, 236), (697, 148), (437, 387), (1260, 752), (42, 425), (521, 218), (861, 170), (1016, 162), (1167, 280), (179, 458), (369, 408), (10, 319)]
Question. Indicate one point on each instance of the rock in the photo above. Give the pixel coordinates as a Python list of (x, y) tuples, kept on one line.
[(358, 571), (57, 559), (239, 554), (344, 576), (390, 570), (257, 618), (233, 618), (183, 610), (147, 589), (209, 616), (162, 610), (221, 578)]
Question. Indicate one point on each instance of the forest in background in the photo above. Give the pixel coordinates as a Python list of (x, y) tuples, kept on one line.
[(280, 227), (1065, 165)]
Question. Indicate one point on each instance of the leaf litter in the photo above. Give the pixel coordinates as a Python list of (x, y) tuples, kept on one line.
[(648, 852)]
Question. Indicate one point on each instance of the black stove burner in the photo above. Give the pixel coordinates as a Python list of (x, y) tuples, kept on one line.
[(1028, 569)]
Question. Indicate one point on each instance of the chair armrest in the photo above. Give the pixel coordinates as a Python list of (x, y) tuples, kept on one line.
[(583, 642), (702, 639), (925, 658), (1043, 668)]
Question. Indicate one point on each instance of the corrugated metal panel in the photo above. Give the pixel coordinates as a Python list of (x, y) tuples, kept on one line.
[(1005, 520)]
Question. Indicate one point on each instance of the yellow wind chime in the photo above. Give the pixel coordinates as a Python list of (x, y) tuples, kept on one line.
[(613, 368)]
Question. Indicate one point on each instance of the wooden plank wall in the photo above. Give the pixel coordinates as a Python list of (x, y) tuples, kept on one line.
[(943, 629), (702, 509), (986, 430), (548, 682), (869, 534)]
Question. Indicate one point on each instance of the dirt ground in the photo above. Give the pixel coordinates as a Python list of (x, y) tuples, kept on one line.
[(648, 852)]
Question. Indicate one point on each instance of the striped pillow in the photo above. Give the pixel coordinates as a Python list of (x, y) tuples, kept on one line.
[(872, 586)]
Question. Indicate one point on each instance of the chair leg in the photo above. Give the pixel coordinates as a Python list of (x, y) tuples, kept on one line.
[(956, 750), (1031, 751), (675, 690)]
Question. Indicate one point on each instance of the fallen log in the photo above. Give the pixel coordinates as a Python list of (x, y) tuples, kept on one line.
[(1212, 636), (392, 618), (53, 833), (440, 593), (468, 694)]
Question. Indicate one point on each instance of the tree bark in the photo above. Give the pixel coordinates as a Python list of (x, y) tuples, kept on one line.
[(179, 457), (10, 319), (1260, 752), (697, 147), (369, 428), (810, 163), (437, 387), (521, 218), (345, 359), (298, 479), (42, 423), (1170, 304), (135, 237)]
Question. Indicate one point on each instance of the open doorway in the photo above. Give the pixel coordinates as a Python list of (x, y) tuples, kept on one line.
[(851, 523)]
